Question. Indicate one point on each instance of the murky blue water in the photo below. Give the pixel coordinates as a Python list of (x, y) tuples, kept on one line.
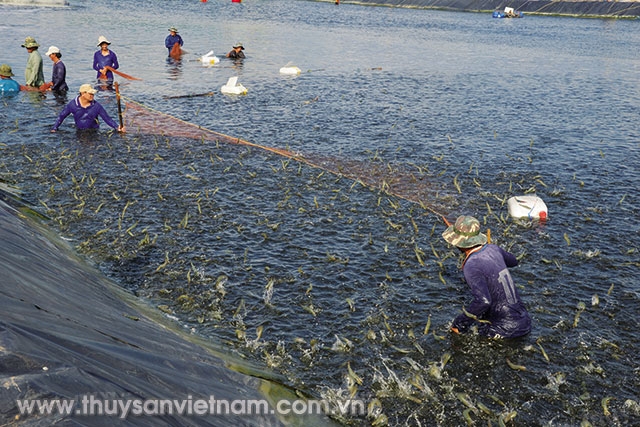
[(229, 239)]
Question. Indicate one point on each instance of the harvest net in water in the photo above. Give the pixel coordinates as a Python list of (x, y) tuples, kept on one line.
[(408, 182)]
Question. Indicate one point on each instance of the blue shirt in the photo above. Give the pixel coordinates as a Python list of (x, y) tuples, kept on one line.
[(85, 118), (495, 297), (171, 40), (100, 61), (9, 87)]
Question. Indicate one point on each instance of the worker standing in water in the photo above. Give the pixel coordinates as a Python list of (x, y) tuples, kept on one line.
[(496, 310)]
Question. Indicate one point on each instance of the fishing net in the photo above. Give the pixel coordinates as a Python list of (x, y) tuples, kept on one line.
[(405, 181)]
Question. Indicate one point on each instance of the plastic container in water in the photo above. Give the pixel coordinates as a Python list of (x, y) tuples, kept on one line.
[(531, 207), (291, 70), (232, 87), (209, 59)]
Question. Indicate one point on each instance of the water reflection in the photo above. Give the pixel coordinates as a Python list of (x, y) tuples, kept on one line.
[(174, 68)]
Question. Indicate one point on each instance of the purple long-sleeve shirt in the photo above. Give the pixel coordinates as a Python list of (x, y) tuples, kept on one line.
[(100, 61), (85, 118), (495, 297), (58, 77)]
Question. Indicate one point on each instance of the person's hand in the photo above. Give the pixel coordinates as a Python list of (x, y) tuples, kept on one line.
[(455, 330), (53, 130), (122, 129)]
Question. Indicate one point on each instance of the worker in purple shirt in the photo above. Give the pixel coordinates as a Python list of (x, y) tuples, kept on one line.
[(496, 309), (104, 58), (86, 111), (58, 82)]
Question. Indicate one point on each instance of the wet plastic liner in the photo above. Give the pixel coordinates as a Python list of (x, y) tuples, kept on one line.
[(67, 332), (541, 7)]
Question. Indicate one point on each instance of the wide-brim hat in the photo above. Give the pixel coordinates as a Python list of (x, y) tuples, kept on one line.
[(103, 39), (30, 42), (174, 29), (52, 50), (238, 45), (465, 233), (87, 88), (5, 71)]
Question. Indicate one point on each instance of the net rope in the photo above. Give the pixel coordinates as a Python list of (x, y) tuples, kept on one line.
[(405, 182)]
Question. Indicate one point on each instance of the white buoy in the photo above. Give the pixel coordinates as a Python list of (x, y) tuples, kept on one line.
[(232, 87), (531, 207), (209, 59), (290, 70)]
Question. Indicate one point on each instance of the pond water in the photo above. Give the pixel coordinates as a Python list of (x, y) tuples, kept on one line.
[(318, 268)]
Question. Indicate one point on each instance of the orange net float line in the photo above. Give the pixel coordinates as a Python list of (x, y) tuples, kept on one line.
[(406, 183)]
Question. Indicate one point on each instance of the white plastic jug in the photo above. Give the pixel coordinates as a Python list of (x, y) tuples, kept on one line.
[(532, 207), (290, 70)]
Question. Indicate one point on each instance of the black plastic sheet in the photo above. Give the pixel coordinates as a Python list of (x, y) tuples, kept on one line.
[(68, 332), (578, 8)]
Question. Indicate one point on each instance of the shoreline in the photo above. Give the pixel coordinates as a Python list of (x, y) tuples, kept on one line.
[(582, 9)]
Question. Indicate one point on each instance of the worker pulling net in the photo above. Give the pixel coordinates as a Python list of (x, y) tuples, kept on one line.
[(408, 182)]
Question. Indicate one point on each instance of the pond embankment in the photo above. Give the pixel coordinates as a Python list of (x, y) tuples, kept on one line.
[(587, 9)]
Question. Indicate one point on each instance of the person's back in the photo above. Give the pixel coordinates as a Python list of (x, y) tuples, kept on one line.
[(9, 86), (496, 298)]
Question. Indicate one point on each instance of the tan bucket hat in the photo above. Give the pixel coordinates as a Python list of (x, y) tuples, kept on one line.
[(465, 233), (30, 42), (5, 71)]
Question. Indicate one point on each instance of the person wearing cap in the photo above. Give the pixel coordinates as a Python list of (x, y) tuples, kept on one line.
[(104, 58), (86, 110), (236, 52), (58, 82), (33, 73), (7, 84), (172, 39), (496, 310)]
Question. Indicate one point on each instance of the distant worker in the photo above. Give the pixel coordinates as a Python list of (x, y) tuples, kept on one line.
[(33, 73), (8, 86), (103, 59), (86, 111), (496, 309), (58, 82), (236, 52), (170, 42)]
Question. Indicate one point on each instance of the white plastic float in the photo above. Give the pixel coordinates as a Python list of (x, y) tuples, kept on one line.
[(209, 59), (232, 87), (531, 207), (290, 70)]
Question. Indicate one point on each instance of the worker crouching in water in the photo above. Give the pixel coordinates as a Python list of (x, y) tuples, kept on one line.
[(496, 309)]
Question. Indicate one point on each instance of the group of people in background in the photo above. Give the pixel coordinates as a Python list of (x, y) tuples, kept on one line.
[(173, 42), (84, 108)]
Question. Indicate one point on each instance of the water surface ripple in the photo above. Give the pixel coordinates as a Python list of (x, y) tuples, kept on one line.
[(311, 272)]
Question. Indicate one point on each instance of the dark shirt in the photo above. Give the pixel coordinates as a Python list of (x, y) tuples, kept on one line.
[(172, 40), (58, 76), (85, 118), (495, 297), (236, 55)]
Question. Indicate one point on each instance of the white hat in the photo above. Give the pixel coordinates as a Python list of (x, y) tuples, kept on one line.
[(52, 49), (87, 88), (103, 39)]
